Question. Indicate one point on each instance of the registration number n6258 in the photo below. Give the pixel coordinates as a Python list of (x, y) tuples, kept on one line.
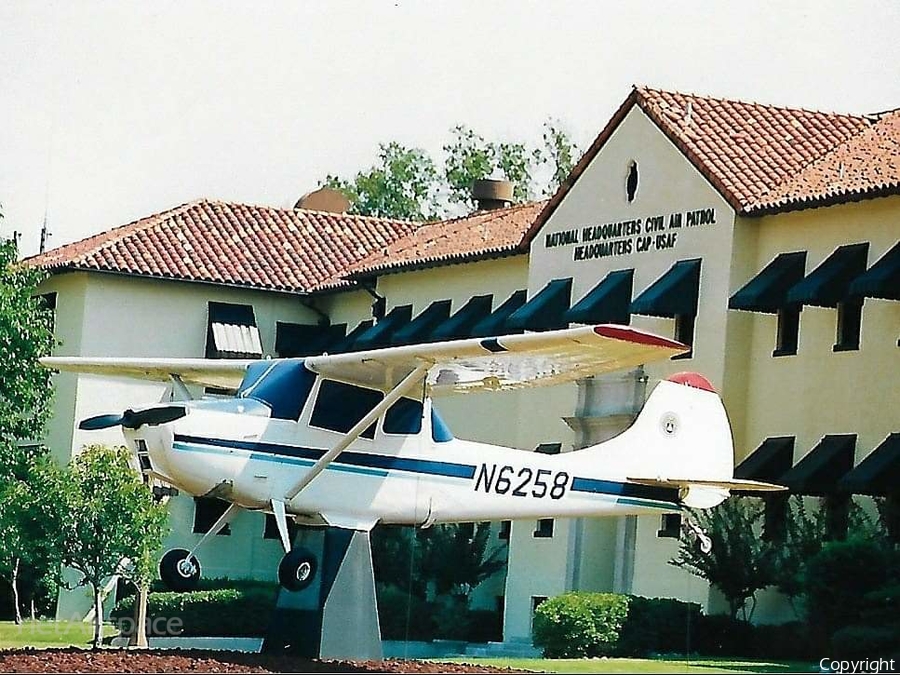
[(524, 482)]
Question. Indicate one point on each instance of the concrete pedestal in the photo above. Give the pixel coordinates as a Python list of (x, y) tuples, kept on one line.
[(335, 617)]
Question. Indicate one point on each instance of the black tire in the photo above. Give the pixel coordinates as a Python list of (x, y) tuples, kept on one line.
[(176, 576), (297, 569)]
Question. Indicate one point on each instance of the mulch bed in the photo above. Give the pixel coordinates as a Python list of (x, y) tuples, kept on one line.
[(198, 661)]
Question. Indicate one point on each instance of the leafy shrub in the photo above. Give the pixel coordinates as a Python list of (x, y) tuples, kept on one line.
[(721, 635), (485, 626), (227, 612), (789, 641), (658, 626), (840, 576), (403, 616), (580, 624), (866, 642)]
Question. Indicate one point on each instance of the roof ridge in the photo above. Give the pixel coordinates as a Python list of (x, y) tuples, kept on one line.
[(772, 106), (105, 239), (487, 212), (289, 210)]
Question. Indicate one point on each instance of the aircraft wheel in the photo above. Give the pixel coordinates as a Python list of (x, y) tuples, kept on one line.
[(297, 569), (178, 572)]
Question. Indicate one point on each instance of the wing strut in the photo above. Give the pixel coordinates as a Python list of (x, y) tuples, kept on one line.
[(416, 376)]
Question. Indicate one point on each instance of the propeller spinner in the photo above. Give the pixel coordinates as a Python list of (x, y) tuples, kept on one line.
[(134, 420)]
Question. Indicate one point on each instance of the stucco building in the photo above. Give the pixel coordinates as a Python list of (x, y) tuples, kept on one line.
[(767, 238)]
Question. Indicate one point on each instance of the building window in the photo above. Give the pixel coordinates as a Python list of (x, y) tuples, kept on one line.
[(631, 182), (788, 331), (684, 333), (49, 302), (206, 512), (505, 529), (232, 332), (849, 320), (544, 529), (537, 601), (669, 526)]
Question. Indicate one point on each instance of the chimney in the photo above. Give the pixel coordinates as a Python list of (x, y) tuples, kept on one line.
[(490, 194)]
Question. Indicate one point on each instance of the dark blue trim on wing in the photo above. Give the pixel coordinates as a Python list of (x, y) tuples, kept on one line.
[(426, 466), (493, 345), (609, 487)]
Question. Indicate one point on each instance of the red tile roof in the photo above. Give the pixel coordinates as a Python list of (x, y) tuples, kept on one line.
[(866, 165), (484, 234), (233, 244), (747, 151)]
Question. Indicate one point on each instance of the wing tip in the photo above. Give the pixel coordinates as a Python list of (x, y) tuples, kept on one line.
[(629, 334)]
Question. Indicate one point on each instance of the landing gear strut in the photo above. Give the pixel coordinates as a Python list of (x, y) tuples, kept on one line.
[(179, 570)]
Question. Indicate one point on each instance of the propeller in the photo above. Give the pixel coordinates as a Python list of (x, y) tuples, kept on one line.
[(134, 420)]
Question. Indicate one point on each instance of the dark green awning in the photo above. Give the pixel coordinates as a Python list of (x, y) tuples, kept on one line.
[(829, 283), (419, 329), (460, 325), (767, 291), (674, 293), (818, 473), (495, 324), (608, 302), (769, 462), (546, 310), (879, 473), (381, 333), (346, 345), (882, 280), (298, 339)]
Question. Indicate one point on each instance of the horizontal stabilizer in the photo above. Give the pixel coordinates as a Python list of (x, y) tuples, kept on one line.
[(731, 484)]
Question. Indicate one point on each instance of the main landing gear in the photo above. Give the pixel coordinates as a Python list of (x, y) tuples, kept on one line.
[(180, 570)]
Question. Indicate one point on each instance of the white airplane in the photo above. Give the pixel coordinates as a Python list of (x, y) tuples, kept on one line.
[(352, 440)]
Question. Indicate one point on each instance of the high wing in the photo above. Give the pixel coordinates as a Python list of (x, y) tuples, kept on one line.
[(458, 366), (224, 373), (502, 363)]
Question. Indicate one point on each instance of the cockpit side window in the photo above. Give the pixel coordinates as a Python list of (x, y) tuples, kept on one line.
[(404, 417), (284, 386), (340, 406)]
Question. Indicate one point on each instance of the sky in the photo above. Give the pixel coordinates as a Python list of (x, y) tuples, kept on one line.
[(111, 111)]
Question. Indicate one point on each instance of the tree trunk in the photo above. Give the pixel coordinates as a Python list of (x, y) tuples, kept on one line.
[(15, 590), (139, 639), (98, 617)]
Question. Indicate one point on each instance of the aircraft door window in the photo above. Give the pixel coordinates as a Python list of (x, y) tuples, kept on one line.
[(404, 417), (340, 406)]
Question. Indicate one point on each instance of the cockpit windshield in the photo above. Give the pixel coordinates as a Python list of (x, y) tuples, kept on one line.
[(283, 385)]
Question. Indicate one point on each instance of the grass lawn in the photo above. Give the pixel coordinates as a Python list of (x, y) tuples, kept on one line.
[(700, 665), (44, 634)]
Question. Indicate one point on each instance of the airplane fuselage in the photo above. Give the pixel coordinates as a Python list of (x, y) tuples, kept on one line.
[(234, 450)]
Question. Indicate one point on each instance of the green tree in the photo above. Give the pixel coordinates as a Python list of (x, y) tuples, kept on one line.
[(25, 395), (401, 184), (408, 183), (740, 562), (112, 526), (559, 152)]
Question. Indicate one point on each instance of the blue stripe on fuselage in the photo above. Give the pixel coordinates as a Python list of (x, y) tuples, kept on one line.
[(609, 487), (380, 464), (362, 459)]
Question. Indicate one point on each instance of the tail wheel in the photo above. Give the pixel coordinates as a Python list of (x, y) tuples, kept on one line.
[(179, 570), (297, 569)]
